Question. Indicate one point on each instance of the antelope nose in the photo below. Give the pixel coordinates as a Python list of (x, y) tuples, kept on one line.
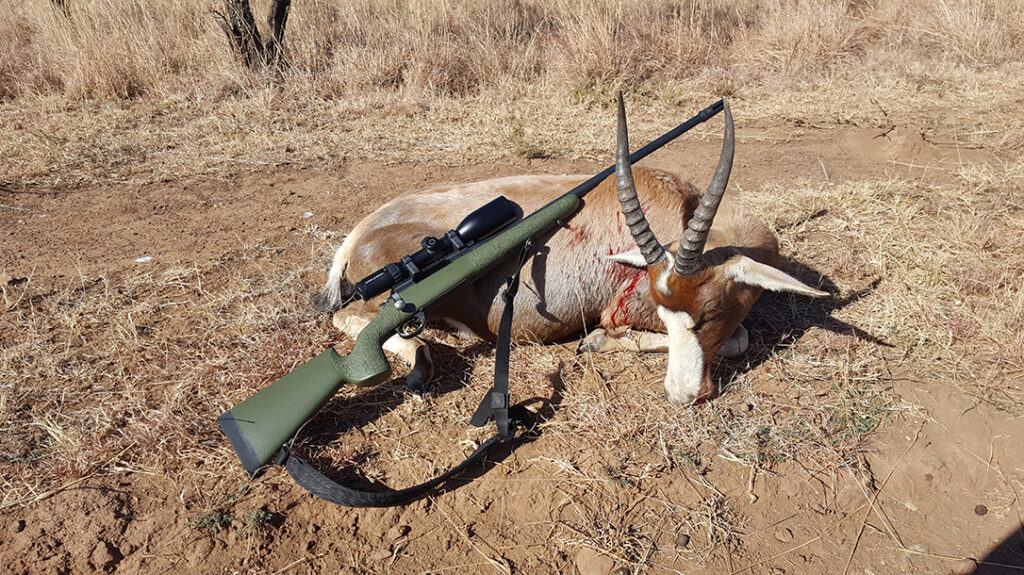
[(681, 398)]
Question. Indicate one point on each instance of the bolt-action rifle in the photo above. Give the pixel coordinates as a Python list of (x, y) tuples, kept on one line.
[(263, 425)]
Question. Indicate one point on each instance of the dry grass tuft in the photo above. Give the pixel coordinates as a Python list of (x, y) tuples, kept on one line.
[(949, 267), (100, 49), (140, 364)]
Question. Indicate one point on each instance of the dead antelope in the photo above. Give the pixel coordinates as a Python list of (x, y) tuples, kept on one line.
[(603, 268)]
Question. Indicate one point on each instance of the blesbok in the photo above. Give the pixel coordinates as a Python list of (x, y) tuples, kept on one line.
[(603, 268)]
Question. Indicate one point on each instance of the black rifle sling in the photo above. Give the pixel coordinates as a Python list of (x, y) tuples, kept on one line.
[(496, 403), (310, 479), (494, 406)]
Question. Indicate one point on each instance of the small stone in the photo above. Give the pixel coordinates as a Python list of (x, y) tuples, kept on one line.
[(590, 562), (744, 407), (980, 509), (784, 535), (965, 567), (682, 540), (397, 532), (18, 526), (382, 554), (622, 571)]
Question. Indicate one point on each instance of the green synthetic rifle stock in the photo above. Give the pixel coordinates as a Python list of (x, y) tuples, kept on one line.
[(259, 426)]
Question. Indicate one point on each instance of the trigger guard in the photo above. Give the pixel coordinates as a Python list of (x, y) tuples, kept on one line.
[(419, 321)]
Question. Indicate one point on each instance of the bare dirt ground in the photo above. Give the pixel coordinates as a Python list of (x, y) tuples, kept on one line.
[(924, 473)]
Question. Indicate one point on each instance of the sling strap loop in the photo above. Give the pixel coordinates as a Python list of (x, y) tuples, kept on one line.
[(315, 482), (496, 404)]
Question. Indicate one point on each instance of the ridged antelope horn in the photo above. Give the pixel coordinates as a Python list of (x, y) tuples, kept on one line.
[(690, 257), (631, 210)]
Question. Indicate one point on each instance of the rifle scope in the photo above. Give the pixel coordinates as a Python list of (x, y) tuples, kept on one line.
[(483, 222)]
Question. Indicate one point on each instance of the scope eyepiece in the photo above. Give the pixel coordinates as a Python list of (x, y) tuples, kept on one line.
[(380, 281)]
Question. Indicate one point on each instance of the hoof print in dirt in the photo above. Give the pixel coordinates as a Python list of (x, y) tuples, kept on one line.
[(105, 557)]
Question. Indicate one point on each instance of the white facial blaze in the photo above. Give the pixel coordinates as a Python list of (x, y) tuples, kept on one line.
[(685, 357), (661, 284)]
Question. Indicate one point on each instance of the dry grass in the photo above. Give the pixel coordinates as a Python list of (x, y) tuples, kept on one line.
[(104, 50), (138, 365), (151, 92), (949, 262)]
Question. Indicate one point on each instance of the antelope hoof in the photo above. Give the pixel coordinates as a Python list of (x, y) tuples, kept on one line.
[(737, 344), (418, 379), (594, 341), (416, 385)]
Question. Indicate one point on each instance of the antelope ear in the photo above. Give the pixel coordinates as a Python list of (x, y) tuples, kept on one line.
[(632, 258), (747, 271)]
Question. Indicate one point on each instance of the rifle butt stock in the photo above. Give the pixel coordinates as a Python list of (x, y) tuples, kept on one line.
[(260, 425)]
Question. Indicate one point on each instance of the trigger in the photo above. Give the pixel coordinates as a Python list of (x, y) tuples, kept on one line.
[(412, 327)]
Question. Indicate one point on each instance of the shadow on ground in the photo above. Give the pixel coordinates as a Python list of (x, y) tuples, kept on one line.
[(1006, 558), (778, 320)]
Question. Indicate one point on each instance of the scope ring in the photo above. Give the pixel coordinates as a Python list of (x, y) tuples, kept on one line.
[(412, 327)]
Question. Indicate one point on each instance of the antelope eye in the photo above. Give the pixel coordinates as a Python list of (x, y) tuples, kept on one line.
[(699, 322)]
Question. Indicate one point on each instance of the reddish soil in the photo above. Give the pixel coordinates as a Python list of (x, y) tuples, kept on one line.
[(944, 480)]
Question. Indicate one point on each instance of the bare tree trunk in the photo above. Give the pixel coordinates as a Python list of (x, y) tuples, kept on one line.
[(276, 20), (62, 7), (239, 26)]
